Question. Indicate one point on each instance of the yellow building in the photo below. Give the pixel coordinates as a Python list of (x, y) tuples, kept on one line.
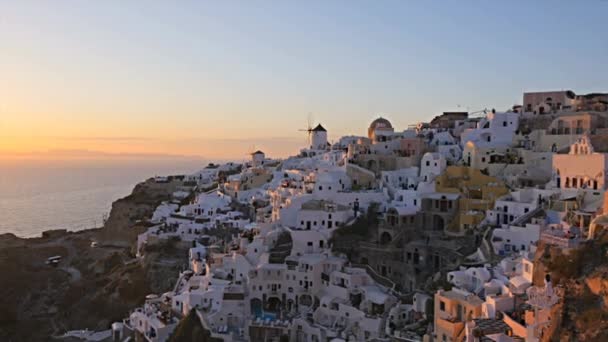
[(249, 179), (477, 194), (452, 309)]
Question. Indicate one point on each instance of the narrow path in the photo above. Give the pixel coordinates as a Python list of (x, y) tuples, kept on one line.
[(74, 273)]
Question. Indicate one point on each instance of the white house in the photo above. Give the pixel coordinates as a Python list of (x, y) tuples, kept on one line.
[(496, 129), (432, 165), (320, 214)]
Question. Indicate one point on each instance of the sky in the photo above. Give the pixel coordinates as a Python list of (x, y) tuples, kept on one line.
[(217, 79)]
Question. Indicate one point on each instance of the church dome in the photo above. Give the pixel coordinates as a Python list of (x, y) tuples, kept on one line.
[(380, 123)]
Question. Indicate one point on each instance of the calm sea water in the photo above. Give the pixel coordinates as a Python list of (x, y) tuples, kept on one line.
[(37, 196)]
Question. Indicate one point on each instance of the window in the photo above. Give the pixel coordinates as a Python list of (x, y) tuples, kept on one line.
[(442, 305), (504, 124), (428, 163), (309, 243)]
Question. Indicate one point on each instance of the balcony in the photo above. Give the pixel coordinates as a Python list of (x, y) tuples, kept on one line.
[(560, 240)]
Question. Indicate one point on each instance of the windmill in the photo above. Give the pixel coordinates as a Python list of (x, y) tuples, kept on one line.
[(309, 130), (250, 153)]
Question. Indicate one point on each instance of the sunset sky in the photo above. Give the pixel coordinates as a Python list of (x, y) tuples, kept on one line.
[(215, 79)]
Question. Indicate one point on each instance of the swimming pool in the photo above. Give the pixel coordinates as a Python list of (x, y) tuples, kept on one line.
[(259, 313)]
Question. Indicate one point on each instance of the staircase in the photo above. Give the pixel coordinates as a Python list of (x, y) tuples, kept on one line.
[(526, 217)]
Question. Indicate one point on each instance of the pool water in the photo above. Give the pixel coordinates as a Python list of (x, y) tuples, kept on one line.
[(259, 313)]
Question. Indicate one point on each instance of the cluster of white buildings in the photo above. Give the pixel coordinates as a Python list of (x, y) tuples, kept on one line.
[(502, 183)]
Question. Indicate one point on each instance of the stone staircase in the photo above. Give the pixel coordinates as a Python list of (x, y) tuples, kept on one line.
[(526, 217)]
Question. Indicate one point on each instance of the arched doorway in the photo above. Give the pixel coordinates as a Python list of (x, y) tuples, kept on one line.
[(273, 304), (385, 238)]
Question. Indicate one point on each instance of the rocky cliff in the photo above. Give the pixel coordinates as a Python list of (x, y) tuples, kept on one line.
[(91, 286)]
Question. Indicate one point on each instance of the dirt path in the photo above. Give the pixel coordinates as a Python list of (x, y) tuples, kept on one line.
[(74, 273)]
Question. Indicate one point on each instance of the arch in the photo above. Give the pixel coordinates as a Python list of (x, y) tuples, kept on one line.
[(385, 238), (306, 300), (273, 304), (597, 225)]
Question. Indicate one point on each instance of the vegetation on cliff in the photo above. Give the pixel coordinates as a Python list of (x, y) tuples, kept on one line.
[(582, 272), (345, 239), (191, 329)]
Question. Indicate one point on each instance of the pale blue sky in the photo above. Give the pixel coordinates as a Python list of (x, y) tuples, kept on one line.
[(191, 74)]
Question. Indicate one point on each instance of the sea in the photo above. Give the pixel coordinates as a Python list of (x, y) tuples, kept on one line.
[(40, 195)]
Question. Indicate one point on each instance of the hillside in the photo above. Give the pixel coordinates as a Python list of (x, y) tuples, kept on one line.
[(91, 287)]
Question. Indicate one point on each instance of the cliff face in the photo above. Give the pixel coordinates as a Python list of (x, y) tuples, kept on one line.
[(583, 273), (91, 287)]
